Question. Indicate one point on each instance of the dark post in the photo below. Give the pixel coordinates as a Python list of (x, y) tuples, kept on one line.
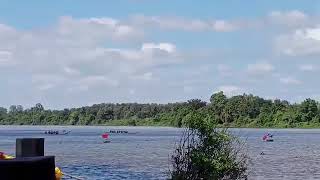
[(29, 147)]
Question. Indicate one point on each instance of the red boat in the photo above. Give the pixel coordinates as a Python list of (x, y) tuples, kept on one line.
[(105, 137)]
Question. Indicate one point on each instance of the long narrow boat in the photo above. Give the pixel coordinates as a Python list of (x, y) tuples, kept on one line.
[(268, 140), (52, 132), (119, 131)]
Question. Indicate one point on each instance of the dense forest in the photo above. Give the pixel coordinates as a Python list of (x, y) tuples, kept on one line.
[(237, 111)]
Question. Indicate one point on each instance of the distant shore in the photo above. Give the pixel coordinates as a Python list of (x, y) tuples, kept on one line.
[(241, 111), (152, 123)]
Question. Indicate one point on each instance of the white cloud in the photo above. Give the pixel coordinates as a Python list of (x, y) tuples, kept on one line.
[(7, 33), (224, 26), (179, 23), (230, 90), (70, 41), (47, 81), (75, 50), (288, 18), (98, 80), (4, 28), (224, 70), (93, 30), (302, 42), (145, 76), (223, 67), (172, 23), (92, 81), (46, 86), (260, 68), (47, 77), (132, 91), (77, 54), (104, 21), (312, 33), (187, 89), (149, 55), (307, 67), (161, 46), (5, 58), (290, 81), (71, 71), (77, 88)]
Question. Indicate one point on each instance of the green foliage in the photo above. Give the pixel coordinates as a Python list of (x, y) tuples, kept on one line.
[(309, 109), (132, 122), (218, 105), (237, 111), (204, 152)]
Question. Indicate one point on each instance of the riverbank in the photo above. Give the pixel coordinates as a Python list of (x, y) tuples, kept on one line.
[(157, 123)]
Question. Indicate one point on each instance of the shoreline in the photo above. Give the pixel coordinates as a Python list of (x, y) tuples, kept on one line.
[(160, 127)]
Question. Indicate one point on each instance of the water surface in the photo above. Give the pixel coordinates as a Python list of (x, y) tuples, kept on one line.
[(144, 154)]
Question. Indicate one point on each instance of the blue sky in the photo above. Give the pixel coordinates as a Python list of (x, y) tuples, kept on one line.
[(72, 53), (27, 14)]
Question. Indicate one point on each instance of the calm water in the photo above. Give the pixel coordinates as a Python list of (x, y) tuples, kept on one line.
[(295, 154)]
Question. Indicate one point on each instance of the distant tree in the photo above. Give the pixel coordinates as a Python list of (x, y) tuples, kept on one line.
[(132, 122), (3, 111), (37, 108), (3, 115), (196, 104), (218, 102), (13, 109), (104, 114), (73, 118), (19, 108), (279, 105), (309, 109), (88, 120)]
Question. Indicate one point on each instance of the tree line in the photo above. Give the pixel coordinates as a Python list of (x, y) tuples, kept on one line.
[(244, 110)]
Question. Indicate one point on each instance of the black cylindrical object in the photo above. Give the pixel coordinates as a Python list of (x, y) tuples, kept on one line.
[(29, 147), (35, 168)]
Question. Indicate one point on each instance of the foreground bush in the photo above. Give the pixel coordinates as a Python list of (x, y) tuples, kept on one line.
[(205, 152)]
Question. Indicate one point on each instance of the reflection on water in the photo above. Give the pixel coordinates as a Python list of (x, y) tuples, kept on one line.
[(295, 154)]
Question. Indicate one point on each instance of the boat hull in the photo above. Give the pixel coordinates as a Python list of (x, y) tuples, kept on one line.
[(268, 140)]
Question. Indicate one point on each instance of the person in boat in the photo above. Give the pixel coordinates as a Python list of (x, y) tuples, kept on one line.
[(267, 137), (105, 137)]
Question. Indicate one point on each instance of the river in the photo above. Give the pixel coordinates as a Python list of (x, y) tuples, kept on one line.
[(144, 154)]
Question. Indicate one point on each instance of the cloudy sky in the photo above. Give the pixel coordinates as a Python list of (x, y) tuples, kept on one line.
[(70, 53)]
